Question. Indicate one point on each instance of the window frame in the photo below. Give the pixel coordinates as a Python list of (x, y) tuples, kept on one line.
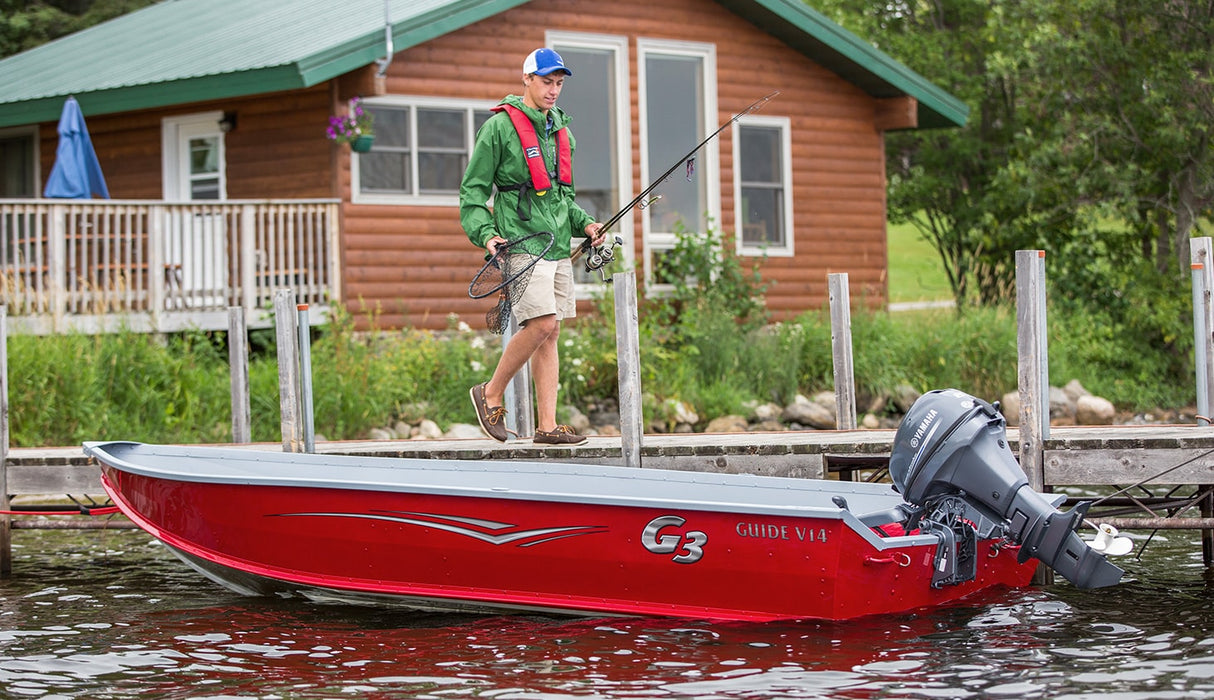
[(708, 160), (412, 103), (784, 124)]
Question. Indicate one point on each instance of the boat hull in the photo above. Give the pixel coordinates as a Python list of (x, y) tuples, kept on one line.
[(514, 552)]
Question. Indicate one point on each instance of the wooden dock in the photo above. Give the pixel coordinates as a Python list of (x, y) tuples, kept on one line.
[(1073, 456)]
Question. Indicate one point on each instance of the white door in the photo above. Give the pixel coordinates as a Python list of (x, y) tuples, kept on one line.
[(196, 245)]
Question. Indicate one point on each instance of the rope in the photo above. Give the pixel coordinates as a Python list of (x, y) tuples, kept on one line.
[(82, 510)]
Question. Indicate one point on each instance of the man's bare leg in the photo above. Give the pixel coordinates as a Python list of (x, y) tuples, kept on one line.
[(522, 346)]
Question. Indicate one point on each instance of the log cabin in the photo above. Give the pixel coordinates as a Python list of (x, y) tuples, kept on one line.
[(208, 119)]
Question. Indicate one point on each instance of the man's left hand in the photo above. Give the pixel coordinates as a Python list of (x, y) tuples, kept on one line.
[(593, 233)]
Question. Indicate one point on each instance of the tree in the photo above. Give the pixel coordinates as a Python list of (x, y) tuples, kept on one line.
[(25, 24), (959, 187), (1090, 129), (1130, 97)]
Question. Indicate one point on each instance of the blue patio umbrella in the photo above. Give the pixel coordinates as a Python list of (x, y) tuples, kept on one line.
[(76, 174)]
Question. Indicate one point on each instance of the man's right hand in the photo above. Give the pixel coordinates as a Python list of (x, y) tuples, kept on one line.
[(492, 244)]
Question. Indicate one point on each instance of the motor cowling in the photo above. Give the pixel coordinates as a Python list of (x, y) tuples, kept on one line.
[(951, 444)]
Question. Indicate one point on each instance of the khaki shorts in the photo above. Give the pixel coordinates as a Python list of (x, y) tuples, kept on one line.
[(550, 291)]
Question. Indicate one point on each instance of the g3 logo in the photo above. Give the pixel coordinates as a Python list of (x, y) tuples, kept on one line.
[(689, 545)]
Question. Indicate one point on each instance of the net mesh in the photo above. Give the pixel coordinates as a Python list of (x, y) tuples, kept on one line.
[(507, 273), (516, 272)]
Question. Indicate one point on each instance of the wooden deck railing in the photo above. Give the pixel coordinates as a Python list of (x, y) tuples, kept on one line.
[(104, 265)]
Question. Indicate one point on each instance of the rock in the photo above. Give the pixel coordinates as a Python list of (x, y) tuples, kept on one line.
[(1094, 410), (1074, 390), (680, 412), (380, 434), (903, 397), (1062, 408), (607, 429), (1009, 406), (870, 422), (402, 429), (768, 426), (877, 405), (727, 424), (605, 417), (577, 420), (827, 400), (768, 412), (684, 428), (427, 430), (463, 431), (810, 414)]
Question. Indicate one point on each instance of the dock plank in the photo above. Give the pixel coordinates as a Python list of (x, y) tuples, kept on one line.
[(1105, 455)]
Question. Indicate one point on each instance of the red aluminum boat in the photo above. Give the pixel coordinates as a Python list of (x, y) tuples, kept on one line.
[(560, 538)]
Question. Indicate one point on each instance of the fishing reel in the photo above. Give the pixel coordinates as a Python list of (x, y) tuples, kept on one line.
[(601, 256)]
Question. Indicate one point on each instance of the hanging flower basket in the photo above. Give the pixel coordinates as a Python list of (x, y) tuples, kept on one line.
[(354, 127)]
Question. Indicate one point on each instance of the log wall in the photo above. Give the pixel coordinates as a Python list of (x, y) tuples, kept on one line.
[(413, 263), (277, 150)]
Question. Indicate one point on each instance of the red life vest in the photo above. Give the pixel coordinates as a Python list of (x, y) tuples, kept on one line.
[(540, 181)]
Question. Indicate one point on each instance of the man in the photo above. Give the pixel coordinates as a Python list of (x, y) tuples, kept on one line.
[(526, 151)]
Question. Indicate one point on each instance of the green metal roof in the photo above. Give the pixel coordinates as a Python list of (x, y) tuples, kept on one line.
[(182, 51)]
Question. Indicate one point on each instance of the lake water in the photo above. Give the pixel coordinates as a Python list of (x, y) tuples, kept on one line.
[(112, 614)]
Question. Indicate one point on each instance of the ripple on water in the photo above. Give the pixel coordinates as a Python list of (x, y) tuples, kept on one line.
[(112, 615)]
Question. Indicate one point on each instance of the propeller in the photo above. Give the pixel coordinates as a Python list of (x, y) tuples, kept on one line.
[(1107, 541)]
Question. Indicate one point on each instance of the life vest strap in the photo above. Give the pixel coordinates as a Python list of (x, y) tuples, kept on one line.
[(540, 182)]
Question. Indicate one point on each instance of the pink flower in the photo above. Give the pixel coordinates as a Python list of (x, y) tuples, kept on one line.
[(345, 128)]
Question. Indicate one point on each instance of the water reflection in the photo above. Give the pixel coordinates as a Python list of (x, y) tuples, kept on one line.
[(112, 615)]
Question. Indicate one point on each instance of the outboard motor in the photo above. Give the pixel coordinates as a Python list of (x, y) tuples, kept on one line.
[(950, 445)]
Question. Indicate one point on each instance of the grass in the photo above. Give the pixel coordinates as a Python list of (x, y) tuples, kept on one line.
[(915, 271), (174, 389)]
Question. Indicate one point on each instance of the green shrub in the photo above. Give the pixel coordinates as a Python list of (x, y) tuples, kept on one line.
[(710, 349)]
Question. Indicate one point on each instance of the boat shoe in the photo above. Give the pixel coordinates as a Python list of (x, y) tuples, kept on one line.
[(491, 418), (563, 435)]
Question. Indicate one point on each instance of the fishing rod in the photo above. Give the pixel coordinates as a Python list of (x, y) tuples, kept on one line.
[(641, 198)]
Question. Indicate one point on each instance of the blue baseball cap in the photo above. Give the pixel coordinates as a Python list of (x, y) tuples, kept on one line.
[(543, 62)]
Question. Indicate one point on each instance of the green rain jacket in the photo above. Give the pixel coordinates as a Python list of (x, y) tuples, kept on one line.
[(497, 159)]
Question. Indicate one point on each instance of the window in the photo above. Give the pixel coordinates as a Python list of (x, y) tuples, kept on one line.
[(678, 108), (194, 160), (18, 167), (420, 153), (597, 99), (763, 183), (203, 176)]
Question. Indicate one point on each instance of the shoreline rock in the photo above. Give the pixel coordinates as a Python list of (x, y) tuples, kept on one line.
[(1071, 404)]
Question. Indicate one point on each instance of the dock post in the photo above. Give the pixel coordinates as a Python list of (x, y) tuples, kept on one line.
[(1203, 323), (305, 379), (6, 523), (238, 364), (628, 362), (841, 349), (1203, 355), (288, 370), (519, 415), (1032, 377)]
